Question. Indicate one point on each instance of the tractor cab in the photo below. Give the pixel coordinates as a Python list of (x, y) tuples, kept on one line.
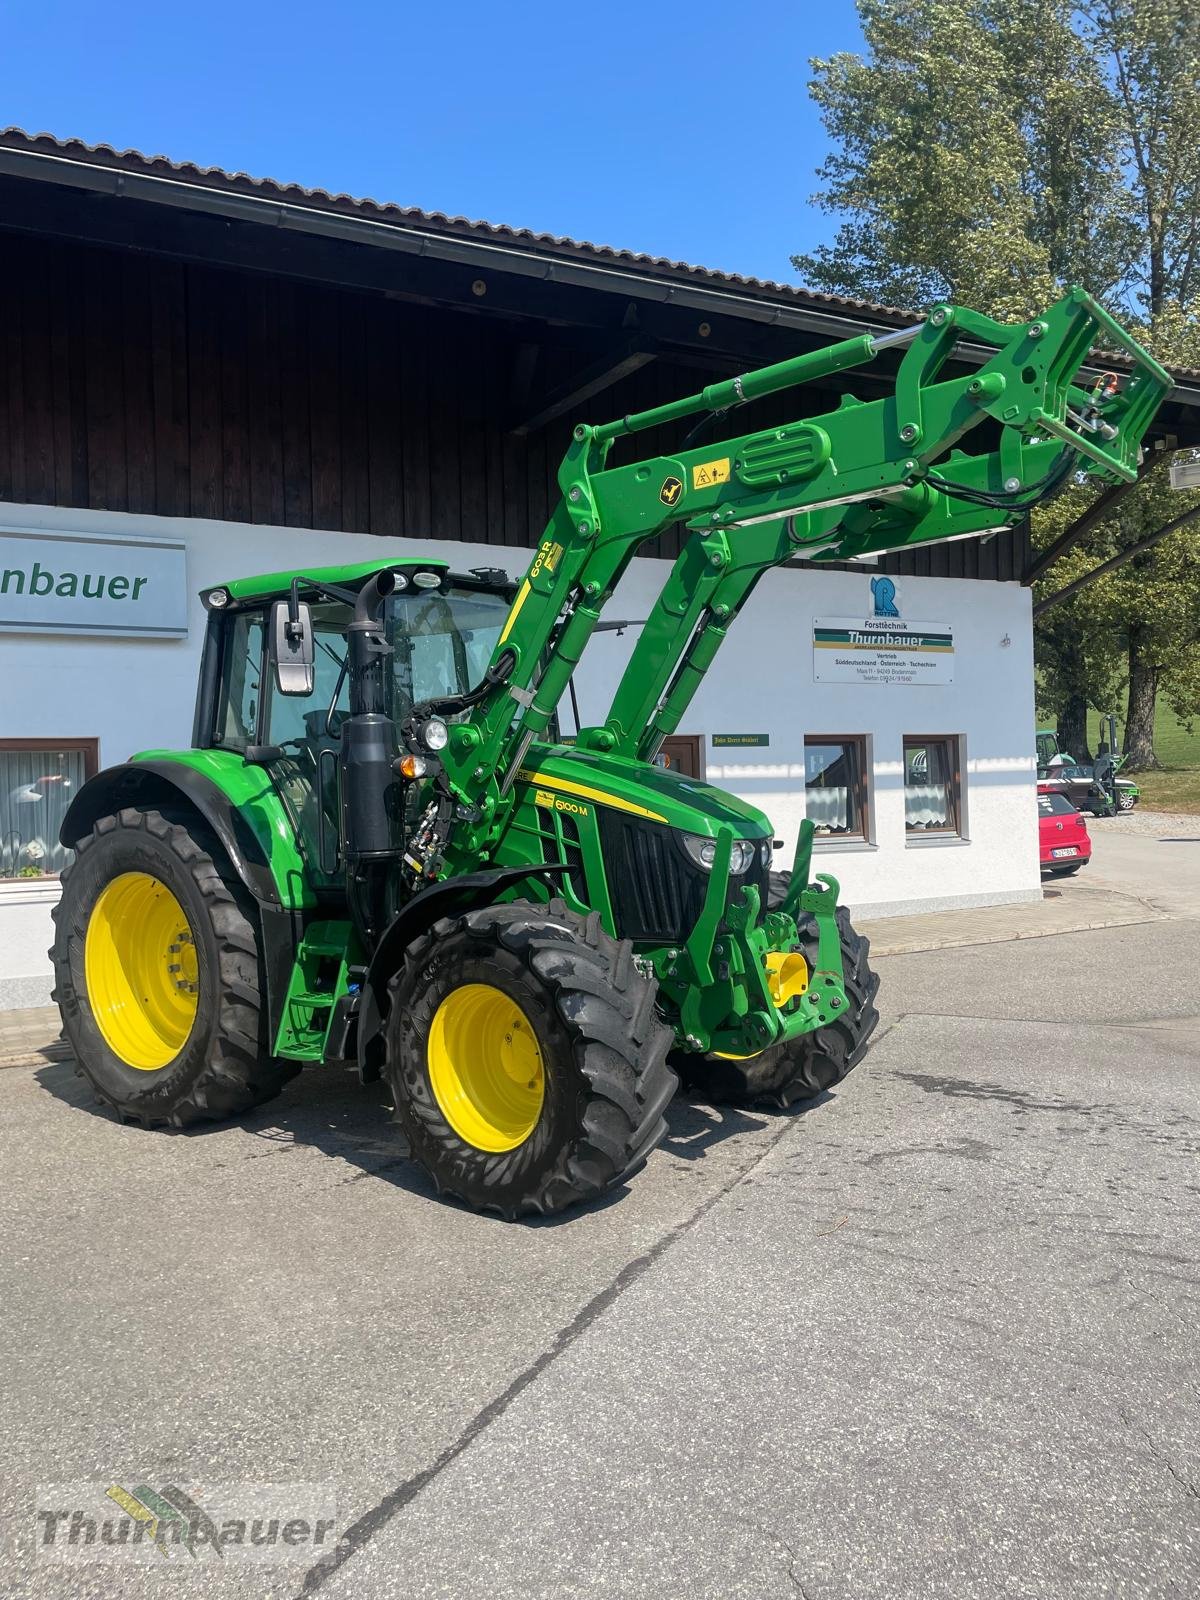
[(436, 633)]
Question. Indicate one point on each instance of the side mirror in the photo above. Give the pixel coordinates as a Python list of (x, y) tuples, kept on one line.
[(291, 646)]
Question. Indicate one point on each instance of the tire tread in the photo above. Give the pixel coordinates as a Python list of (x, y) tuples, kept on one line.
[(606, 1005), (237, 1074)]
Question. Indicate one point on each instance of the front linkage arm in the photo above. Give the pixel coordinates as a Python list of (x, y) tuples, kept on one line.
[(879, 476), (870, 476)]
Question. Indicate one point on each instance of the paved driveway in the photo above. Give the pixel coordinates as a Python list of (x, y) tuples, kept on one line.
[(933, 1337)]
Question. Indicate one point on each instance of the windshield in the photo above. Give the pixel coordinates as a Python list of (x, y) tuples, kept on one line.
[(442, 642), (441, 645)]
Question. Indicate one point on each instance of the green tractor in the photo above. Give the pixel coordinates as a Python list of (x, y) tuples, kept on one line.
[(377, 854)]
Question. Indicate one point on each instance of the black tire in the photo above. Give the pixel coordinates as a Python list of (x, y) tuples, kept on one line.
[(1125, 800), (604, 1053), (224, 1065), (805, 1067)]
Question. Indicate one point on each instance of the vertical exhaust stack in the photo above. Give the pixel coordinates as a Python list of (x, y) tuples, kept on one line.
[(372, 808)]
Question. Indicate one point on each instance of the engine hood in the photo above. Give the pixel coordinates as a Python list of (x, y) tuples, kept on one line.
[(639, 789)]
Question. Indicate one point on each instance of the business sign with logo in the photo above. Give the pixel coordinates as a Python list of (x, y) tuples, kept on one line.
[(729, 741), (63, 583), (882, 650)]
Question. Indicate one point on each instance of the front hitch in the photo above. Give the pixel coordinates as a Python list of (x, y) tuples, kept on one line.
[(740, 980)]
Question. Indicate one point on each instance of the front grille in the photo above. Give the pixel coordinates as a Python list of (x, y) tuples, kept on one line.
[(657, 890)]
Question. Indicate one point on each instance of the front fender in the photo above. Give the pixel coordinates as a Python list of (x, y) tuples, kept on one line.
[(453, 897), (237, 802)]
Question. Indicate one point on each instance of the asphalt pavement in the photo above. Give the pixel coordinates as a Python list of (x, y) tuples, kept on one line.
[(934, 1336)]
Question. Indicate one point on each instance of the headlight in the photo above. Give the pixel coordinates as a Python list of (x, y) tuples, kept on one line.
[(741, 857), (765, 853), (434, 734), (219, 599), (704, 852)]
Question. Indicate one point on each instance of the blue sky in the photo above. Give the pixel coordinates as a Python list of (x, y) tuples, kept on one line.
[(679, 129)]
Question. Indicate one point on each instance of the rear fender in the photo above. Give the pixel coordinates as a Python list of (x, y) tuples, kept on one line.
[(238, 803), (249, 822)]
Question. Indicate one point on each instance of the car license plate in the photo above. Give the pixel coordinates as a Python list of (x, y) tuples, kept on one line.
[(1067, 850)]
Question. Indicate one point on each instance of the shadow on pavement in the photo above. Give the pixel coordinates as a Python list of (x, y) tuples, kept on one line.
[(327, 1109)]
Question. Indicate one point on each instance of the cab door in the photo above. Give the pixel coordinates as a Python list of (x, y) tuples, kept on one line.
[(304, 728)]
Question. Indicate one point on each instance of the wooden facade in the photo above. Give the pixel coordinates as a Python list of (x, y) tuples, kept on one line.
[(137, 382)]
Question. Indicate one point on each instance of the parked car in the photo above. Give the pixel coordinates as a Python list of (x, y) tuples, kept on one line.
[(1065, 844)]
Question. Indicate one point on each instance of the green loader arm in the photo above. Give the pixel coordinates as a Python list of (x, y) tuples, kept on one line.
[(870, 476)]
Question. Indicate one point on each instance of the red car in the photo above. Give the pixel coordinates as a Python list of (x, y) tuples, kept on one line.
[(1062, 835)]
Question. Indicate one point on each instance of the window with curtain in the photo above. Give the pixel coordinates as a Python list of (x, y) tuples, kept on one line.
[(835, 788), (38, 780), (932, 792)]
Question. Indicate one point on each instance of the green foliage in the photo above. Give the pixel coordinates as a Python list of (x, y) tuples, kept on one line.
[(991, 151)]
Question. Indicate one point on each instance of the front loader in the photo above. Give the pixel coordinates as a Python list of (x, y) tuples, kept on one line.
[(376, 853)]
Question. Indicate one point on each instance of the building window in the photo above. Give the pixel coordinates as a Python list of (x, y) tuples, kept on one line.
[(38, 780), (835, 787), (932, 785)]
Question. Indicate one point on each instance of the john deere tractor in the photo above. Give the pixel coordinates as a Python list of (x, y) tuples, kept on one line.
[(376, 853)]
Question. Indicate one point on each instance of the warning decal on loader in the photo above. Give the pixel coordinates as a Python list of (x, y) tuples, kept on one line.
[(706, 473)]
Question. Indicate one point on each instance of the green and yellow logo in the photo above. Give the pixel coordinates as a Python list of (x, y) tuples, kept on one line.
[(167, 1517)]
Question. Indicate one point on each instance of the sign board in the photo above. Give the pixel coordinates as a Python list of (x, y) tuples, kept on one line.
[(63, 583), (882, 650), (727, 741)]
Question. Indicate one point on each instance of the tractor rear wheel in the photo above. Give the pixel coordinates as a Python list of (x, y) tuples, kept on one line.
[(528, 1065), (156, 971), (805, 1067)]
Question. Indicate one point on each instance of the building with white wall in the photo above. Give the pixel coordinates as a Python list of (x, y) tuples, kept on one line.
[(204, 377), (893, 844)]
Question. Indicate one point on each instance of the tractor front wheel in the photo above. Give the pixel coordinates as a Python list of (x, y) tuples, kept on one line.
[(526, 1060), (156, 974), (802, 1068)]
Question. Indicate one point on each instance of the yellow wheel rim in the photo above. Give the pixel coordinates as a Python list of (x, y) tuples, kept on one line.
[(139, 961), (485, 1067)]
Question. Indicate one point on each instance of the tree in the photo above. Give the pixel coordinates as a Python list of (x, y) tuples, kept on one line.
[(1080, 644), (1145, 613), (974, 158), (1156, 599), (1152, 52), (991, 151)]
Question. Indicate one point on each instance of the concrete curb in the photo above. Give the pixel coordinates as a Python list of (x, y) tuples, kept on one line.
[(881, 946)]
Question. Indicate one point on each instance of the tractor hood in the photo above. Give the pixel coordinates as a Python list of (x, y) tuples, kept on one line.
[(639, 789)]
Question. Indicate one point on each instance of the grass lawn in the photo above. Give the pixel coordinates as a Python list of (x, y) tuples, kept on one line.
[(1177, 786)]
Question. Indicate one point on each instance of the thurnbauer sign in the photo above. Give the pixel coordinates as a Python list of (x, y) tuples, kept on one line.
[(62, 583), (882, 650)]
